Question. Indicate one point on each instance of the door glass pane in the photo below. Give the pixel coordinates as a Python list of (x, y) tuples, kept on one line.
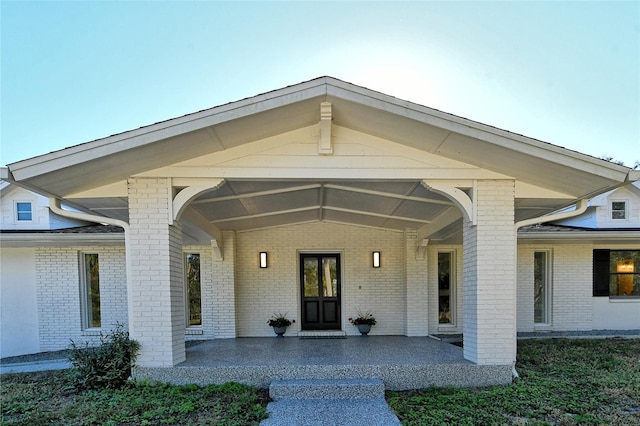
[(329, 277), (540, 287), (311, 278)]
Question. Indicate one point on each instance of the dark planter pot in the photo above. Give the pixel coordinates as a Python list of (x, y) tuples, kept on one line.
[(280, 331), (364, 329)]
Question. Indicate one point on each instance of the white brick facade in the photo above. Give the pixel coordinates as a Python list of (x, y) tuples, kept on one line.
[(158, 321), (417, 318), (490, 276), (261, 292), (58, 286)]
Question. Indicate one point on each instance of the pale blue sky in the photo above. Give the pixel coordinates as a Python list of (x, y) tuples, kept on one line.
[(567, 73)]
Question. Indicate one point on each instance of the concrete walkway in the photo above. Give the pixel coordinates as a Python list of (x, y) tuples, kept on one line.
[(30, 367)]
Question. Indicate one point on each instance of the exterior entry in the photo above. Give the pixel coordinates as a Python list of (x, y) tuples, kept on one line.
[(320, 291)]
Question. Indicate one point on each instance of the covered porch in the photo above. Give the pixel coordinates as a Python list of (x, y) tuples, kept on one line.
[(400, 362), (322, 169)]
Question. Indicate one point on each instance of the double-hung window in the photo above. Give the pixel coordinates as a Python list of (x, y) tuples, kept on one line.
[(616, 273), (23, 211), (618, 210), (90, 290)]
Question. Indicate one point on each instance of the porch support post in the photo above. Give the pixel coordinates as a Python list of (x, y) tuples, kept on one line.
[(224, 300), (416, 285), (489, 276), (157, 289)]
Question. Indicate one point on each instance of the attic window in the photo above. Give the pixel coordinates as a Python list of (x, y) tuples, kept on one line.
[(23, 212), (618, 210)]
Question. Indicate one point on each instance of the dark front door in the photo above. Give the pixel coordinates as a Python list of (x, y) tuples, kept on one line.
[(320, 289)]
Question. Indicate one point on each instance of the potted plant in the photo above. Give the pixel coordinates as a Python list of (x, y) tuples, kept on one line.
[(279, 322), (363, 322)]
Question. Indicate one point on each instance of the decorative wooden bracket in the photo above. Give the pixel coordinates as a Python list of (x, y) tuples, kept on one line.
[(451, 190), (216, 246), (422, 247), (325, 146)]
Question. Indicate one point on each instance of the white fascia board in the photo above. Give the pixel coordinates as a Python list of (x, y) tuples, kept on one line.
[(577, 237), (67, 157), (4, 173), (478, 130), (61, 240)]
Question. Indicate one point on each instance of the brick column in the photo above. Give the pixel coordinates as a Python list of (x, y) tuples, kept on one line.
[(224, 298), (155, 250), (416, 285), (490, 276)]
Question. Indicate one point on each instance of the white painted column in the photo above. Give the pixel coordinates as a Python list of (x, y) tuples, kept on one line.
[(157, 289), (416, 284), (489, 290), (224, 298)]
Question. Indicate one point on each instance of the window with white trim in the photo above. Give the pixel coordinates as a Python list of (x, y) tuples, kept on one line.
[(193, 289), (618, 210), (90, 290), (542, 287), (446, 286), (616, 273), (24, 211)]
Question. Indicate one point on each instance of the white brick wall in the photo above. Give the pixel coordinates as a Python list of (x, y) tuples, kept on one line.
[(158, 321), (525, 287), (417, 315), (225, 288), (490, 276), (261, 292), (58, 288)]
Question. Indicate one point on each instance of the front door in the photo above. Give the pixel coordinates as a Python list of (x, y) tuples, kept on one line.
[(320, 290)]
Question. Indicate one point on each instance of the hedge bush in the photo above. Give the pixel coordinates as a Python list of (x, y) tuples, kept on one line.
[(107, 365)]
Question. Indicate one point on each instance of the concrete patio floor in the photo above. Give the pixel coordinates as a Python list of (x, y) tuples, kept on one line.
[(400, 362)]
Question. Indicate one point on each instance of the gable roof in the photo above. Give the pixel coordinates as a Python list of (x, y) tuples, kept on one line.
[(395, 145), (117, 157)]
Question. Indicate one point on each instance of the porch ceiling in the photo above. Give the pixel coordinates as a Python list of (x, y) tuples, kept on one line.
[(243, 205)]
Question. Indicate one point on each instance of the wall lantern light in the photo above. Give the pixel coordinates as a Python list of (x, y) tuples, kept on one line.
[(263, 259), (375, 259)]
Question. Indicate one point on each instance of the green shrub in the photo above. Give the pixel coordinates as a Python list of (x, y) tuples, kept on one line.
[(107, 365)]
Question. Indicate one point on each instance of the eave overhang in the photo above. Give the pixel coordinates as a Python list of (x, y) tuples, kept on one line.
[(116, 158), (31, 239)]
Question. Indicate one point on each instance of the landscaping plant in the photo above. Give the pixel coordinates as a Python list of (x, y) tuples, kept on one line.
[(107, 365)]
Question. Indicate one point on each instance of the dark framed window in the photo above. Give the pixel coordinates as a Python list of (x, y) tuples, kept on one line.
[(618, 210), (616, 273), (193, 288), (91, 291)]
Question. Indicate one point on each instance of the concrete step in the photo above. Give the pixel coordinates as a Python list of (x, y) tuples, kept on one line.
[(319, 334), (330, 412), (347, 388)]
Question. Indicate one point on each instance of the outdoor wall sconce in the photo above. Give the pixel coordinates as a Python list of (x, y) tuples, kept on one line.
[(263, 259), (375, 260)]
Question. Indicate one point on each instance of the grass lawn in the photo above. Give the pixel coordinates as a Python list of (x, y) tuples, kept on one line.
[(47, 398), (562, 382)]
